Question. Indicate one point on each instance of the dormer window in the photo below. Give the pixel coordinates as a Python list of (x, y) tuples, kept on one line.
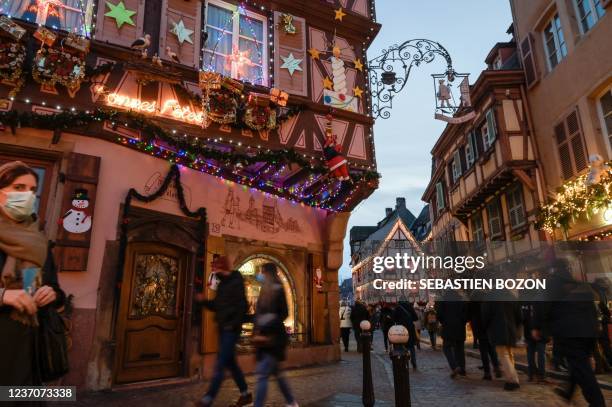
[(237, 43)]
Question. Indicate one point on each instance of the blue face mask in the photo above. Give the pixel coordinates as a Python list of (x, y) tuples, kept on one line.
[(19, 205), (260, 277)]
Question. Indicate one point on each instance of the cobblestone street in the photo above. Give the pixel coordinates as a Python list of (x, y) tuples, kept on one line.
[(340, 385)]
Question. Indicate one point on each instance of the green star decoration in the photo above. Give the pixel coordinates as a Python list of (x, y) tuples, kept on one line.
[(182, 33), (291, 63), (120, 14)]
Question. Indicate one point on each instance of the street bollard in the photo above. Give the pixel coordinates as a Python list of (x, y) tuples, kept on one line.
[(398, 336), (367, 395)]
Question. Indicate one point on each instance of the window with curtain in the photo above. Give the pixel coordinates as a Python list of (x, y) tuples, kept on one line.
[(488, 131), (589, 12), (69, 15), (236, 44), (554, 42)]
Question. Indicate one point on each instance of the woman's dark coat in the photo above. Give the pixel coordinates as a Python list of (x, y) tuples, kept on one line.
[(405, 315), (451, 310), (275, 306)]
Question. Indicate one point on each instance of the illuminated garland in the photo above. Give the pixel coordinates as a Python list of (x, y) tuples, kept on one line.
[(12, 57), (576, 198), (188, 151)]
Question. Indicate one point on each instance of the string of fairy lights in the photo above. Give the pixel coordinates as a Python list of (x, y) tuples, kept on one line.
[(313, 190)]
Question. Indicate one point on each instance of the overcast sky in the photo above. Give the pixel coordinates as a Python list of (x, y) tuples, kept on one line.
[(468, 29)]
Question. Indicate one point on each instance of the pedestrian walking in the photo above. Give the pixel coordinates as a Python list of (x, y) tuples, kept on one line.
[(345, 324), (536, 348), (405, 315), (230, 307), (488, 355), (386, 322), (431, 324), (359, 313), (451, 311), (571, 318), (270, 336), (28, 282), (601, 288), (501, 321)]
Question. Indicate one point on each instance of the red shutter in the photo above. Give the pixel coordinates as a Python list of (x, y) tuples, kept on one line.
[(286, 44), (72, 248), (529, 62)]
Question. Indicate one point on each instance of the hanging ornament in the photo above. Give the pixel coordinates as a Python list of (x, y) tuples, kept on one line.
[(357, 91), (11, 28), (183, 34), (339, 14), (120, 14), (339, 97), (314, 53), (279, 97), (327, 83), (288, 26), (45, 36), (77, 43), (258, 114), (335, 161), (291, 64), (358, 65)]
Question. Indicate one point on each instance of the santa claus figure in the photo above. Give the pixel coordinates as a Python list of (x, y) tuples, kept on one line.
[(336, 163)]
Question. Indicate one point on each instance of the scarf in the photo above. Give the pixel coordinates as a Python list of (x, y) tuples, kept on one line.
[(25, 247)]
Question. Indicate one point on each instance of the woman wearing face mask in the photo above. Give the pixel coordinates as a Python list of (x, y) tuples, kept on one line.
[(270, 336), (28, 281)]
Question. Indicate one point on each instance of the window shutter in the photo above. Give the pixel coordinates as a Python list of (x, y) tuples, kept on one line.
[(574, 132), (565, 159), (72, 249), (286, 44), (529, 63), (152, 24), (440, 196), (462, 159), (492, 126)]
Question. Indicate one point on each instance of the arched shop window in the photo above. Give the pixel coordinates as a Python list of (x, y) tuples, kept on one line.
[(249, 269)]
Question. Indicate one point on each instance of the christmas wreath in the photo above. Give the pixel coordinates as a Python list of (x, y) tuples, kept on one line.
[(260, 118), (12, 56), (53, 66), (222, 106)]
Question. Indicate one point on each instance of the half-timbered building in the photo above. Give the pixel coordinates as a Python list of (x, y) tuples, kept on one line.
[(167, 132)]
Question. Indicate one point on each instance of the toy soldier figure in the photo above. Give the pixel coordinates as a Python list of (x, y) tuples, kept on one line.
[(444, 93)]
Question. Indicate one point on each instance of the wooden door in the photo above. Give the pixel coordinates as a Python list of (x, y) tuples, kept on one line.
[(150, 321)]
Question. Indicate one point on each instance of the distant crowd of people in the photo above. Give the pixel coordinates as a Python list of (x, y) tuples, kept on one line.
[(575, 321)]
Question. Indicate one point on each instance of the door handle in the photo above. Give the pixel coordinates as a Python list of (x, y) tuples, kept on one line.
[(150, 356)]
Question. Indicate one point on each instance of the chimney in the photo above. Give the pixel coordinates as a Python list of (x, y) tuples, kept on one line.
[(388, 211), (400, 203)]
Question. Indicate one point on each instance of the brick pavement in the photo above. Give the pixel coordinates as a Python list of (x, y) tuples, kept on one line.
[(340, 385)]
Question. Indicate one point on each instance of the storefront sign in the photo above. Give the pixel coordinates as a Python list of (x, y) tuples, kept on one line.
[(170, 108)]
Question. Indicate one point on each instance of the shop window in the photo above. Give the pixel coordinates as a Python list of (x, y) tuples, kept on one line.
[(69, 15), (554, 42), (249, 270), (44, 169), (516, 208), (236, 43), (605, 106), (589, 13)]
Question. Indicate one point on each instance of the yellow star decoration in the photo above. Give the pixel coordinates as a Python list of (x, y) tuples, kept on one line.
[(339, 14), (357, 91), (358, 64), (314, 53), (327, 83)]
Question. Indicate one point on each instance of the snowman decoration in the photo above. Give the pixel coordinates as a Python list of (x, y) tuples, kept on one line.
[(76, 219)]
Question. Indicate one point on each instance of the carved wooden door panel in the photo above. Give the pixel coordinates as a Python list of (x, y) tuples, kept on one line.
[(150, 320)]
